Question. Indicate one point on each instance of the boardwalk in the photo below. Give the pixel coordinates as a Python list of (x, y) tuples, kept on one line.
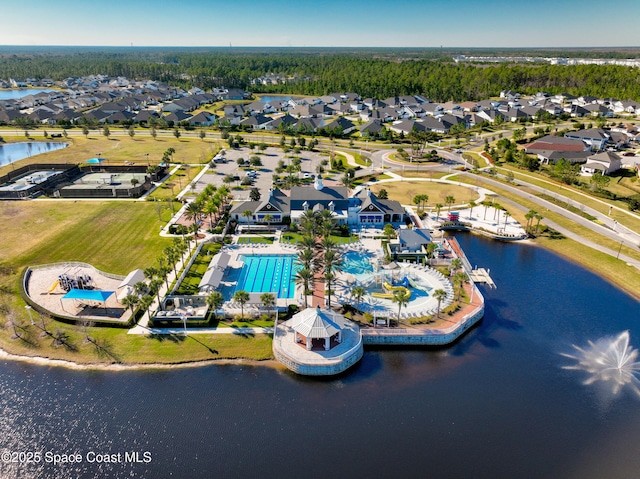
[(318, 291)]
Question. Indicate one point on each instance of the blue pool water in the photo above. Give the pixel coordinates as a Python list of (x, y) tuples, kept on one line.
[(268, 273), (357, 263)]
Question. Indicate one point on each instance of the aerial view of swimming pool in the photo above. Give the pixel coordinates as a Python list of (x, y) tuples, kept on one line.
[(268, 273), (358, 263)]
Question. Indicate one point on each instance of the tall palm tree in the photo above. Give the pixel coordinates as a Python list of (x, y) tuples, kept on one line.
[(268, 300), (486, 204), (154, 286), (506, 216), (241, 297), (530, 216), (248, 214), (401, 297), (145, 303), (193, 211), (455, 265), (439, 295), (130, 301), (307, 242), (449, 201), (472, 204), (306, 258), (214, 300), (438, 208), (459, 279), (304, 277), (538, 218), (332, 262), (357, 293), (172, 257)]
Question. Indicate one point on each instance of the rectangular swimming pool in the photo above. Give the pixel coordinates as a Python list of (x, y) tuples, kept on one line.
[(268, 274)]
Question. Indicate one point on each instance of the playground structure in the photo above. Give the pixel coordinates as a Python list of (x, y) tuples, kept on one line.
[(400, 285), (72, 281)]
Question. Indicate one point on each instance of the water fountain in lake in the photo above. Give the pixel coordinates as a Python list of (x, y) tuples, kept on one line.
[(609, 361)]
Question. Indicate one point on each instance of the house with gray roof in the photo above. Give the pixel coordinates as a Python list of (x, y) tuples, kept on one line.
[(360, 209), (605, 162)]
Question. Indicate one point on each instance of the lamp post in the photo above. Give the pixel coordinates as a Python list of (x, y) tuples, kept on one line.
[(28, 308)]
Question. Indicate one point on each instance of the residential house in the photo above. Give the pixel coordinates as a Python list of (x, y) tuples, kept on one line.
[(605, 162)]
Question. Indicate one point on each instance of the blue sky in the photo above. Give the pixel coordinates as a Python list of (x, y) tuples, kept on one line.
[(403, 23)]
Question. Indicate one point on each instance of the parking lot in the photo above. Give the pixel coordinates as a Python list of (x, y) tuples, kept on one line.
[(263, 178)]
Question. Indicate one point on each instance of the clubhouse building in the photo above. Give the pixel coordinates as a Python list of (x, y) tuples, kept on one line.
[(362, 209)]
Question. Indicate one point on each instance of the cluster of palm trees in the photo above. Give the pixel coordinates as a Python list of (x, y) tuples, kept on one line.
[(530, 216), (318, 252), (211, 202), (144, 291)]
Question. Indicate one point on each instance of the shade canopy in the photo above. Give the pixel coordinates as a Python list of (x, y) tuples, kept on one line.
[(317, 323), (88, 295), (95, 160)]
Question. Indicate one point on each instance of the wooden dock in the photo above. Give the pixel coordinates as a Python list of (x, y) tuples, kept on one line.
[(481, 275)]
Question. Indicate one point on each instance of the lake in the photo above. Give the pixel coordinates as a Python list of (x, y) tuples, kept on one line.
[(12, 152), (496, 404), (21, 93)]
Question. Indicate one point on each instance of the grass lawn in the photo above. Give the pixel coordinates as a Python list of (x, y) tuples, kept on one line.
[(115, 237), (175, 183), (624, 217), (116, 346), (192, 279), (255, 240), (610, 268), (405, 191), (140, 150)]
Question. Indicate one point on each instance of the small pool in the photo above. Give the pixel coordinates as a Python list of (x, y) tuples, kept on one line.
[(268, 274), (357, 263)]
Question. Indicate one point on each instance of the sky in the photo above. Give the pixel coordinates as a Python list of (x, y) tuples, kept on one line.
[(326, 23)]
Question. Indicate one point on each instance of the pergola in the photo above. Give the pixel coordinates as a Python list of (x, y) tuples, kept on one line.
[(316, 323)]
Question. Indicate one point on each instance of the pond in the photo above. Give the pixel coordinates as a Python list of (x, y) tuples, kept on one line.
[(12, 152)]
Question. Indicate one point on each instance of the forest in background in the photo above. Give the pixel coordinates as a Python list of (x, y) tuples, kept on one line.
[(371, 72)]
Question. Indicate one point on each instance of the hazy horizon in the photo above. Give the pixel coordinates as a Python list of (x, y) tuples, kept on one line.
[(328, 24)]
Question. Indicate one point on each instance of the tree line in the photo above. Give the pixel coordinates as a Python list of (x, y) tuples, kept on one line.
[(377, 76)]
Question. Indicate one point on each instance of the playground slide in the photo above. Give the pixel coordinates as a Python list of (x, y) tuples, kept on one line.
[(417, 286), (389, 287), (54, 286)]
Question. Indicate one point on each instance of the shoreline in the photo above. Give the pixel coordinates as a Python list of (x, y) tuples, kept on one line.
[(63, 363)]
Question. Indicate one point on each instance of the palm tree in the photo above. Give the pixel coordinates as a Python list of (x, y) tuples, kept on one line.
[(154, 286), (357, 293), (145, 303), (241, 297), (130, 301), (538, 218), (497, 209), (486, 204), (268, 300), (529, 216), (268, 218), (332, 262), (506, 216), (459, 279), (209, 209), (455, 265), (172, 257), (140, 288), (248, 214), (439, 295), (472, 204), (215, 300), (438, 208), (306, 258), (449, 201), (401, 297), (389, 231), (193, 211), (304, 278)]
